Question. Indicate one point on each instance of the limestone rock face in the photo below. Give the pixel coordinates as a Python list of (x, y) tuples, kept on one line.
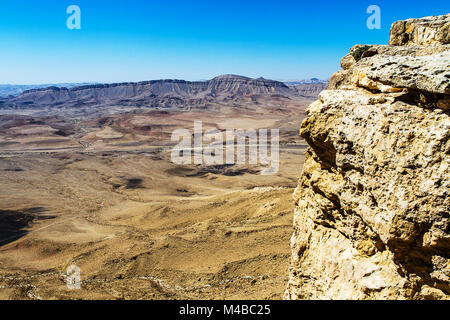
[(372, 205), (425, 31)]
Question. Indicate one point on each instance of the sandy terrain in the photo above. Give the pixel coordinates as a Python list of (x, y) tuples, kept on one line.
[(107, 198)]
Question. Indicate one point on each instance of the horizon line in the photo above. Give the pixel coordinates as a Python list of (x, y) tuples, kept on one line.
[(161, 79)]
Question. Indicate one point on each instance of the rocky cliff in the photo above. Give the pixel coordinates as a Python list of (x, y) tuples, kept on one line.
[(372, 204)]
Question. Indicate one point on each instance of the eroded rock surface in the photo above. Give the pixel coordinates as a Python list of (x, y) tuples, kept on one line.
[(372, 205), (424, 31)]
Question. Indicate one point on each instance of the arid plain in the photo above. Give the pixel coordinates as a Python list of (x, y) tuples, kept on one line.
[(101, 192)]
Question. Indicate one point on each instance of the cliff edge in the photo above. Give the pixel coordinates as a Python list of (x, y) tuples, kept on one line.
[(372, 205)]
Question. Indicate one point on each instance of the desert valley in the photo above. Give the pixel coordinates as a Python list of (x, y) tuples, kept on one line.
[(87, 180), (352, 203)]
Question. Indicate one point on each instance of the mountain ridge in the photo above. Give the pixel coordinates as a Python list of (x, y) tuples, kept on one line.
[(163, 93), (11, 90)]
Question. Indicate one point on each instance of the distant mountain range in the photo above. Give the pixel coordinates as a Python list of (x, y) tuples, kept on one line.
[(7, 90), (308, 81), (160, 93)]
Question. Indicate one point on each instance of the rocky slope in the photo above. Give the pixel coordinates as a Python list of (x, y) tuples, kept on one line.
[(372, 204)]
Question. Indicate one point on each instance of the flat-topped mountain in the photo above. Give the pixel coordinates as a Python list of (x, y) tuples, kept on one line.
[(159, 93), (311, 89), (162, 92)]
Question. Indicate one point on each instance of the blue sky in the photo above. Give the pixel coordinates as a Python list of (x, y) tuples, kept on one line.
[(136, 40)]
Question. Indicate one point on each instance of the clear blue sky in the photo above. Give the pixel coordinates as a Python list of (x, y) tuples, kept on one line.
[(136, 40)]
